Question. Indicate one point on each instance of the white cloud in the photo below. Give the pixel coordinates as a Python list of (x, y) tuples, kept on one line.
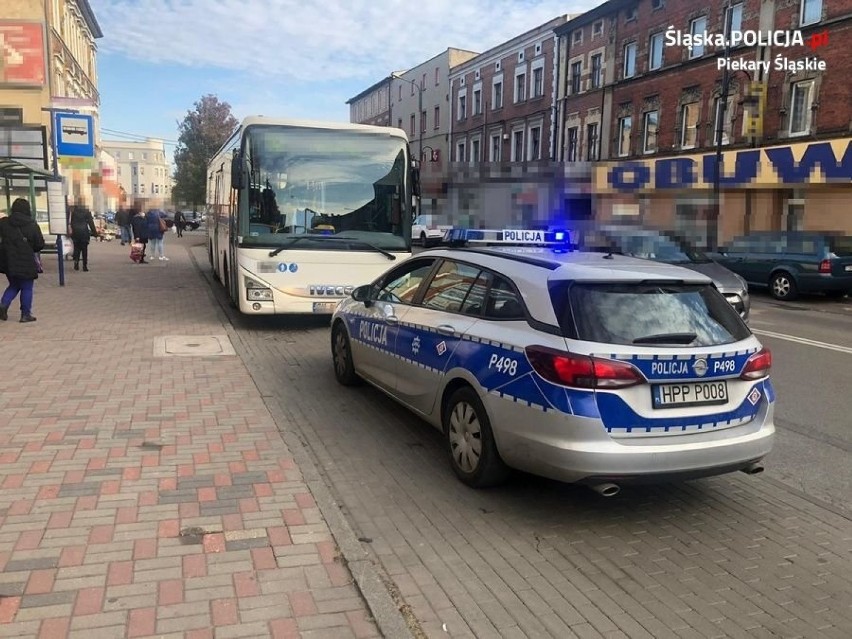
[(307, 41)]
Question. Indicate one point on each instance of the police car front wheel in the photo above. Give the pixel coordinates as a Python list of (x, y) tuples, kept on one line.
[(341, 353), (470, 442)]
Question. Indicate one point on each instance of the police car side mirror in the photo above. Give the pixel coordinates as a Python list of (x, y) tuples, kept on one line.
[(363, 294)]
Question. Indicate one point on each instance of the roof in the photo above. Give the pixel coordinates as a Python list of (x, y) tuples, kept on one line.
[(89, 16), (13, 168), (600, 11), (370, 89), (255, 120), (573, 265)]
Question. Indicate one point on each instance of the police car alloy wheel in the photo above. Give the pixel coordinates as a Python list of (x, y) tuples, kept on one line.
[(470, 443), (341, 351)]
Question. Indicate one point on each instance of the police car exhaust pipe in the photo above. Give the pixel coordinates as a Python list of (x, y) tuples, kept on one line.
[(753, 468), (606, 489)]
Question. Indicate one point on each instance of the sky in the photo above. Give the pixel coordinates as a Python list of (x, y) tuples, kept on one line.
[(280, 58)]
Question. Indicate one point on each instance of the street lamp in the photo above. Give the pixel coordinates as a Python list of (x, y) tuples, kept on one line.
[(419, 88)]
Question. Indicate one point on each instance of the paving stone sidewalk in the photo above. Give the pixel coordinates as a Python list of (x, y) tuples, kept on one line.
[(144, 493)]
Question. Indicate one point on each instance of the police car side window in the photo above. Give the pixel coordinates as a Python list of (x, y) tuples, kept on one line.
[(503, 301), (450, 286), (401, 285)]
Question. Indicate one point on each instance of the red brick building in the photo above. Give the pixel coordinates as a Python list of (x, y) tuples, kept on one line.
[(659, 105), (502, 100)]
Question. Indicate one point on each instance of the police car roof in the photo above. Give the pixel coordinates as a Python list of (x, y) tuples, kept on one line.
[(572, 265)]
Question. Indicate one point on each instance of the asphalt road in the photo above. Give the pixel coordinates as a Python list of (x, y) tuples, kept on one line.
[(811, 343), (734, 556)]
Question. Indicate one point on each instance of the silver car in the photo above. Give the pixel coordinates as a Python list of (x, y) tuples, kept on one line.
[(582, 367)]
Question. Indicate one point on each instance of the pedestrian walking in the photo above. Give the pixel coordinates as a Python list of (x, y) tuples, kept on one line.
[(20, 243), (122, 219), (180, 223), (139, 225), (156, 230), (82, 230)]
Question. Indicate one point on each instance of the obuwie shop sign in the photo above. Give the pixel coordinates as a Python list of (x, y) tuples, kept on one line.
[(767, 167)]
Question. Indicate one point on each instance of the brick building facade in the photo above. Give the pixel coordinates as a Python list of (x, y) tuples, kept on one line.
[(653, 100), (502, 100), (372, 105)]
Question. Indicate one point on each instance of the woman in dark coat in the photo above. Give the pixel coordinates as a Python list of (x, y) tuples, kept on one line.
[(139, 226), (82, 229), (20, 241)]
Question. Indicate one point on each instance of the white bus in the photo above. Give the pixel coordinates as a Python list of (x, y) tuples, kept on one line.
[(300, 213)]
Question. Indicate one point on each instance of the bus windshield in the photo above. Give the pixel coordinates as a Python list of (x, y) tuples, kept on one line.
[(317, 184)]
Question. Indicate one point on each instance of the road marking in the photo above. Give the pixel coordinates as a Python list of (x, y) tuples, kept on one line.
[(802, 340)]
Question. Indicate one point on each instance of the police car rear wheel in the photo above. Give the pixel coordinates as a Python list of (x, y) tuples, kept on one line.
[(470, 443), (341, 352)]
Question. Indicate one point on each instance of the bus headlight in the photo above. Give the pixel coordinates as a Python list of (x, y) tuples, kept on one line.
[(257, 292)]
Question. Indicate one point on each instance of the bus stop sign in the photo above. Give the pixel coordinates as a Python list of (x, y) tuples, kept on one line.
[(75, 135)]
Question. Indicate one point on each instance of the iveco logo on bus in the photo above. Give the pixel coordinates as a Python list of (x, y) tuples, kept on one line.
[(330, 289)]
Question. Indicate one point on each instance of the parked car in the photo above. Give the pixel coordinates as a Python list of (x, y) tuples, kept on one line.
[(581, 367), (427, 229), (792, 262), (665, 247)]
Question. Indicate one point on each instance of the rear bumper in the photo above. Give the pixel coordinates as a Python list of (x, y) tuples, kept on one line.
[(578, 449), (825, 283)]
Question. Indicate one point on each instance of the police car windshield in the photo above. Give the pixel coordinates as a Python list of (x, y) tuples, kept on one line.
[(635, 314)]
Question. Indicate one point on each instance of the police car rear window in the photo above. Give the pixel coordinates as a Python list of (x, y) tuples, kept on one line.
[(647, 314)]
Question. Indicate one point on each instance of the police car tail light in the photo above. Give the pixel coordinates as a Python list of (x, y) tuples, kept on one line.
[(825, 266), (758, 365), (581, 371)]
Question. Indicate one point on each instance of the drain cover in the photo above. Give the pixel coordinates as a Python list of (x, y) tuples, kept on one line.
[(192, 346)]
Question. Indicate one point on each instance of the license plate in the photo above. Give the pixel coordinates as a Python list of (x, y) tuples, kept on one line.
[(692, 394), (324, 307), (848, 267)]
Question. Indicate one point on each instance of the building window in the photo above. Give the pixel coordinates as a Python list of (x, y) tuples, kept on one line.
[(399, 123), (474, 151), (572, 144), (592, 142), (437, 76), (400, 92), (630, 60), (520, 87), (497, 96), (597, 28), (697, 27), (496, 148), (625, 128), (597, 71), (460, 152), (538, 82), (631, 14), (736, 13), (689, 125), (477, 102), (422, 82), (535, 143), (649, 135), (577, 37), (517, 146), (462, 107), (801, 100), (437, 117), (727, 122), (576, 75), (422, 121), (811, 12), (411, 84), (411, 124), (130, 155), (141, 188), (144, 156), (656, 4), (655, 52)]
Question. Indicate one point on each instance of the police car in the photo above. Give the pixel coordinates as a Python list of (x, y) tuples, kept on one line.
[(582, 367)]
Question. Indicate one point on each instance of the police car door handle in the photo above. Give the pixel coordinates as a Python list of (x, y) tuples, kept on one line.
[(445, 329), (393, 320)]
